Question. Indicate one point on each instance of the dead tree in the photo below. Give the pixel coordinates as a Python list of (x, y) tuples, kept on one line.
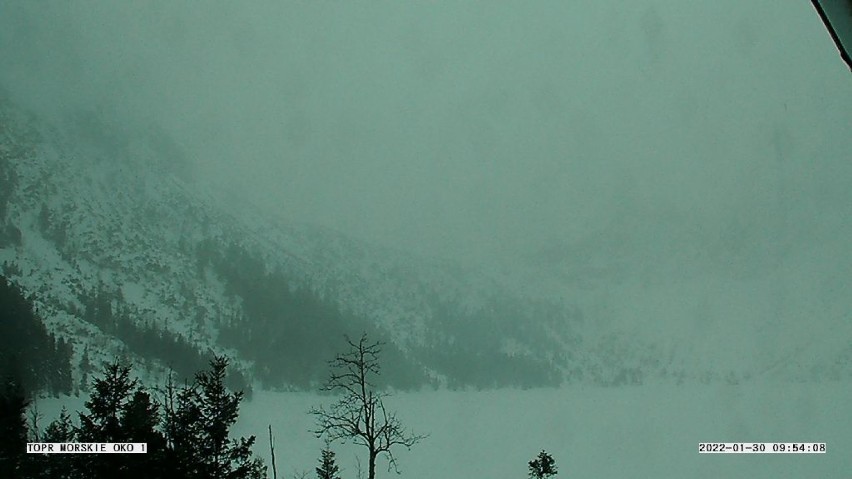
[(272, 453), (359, 414)]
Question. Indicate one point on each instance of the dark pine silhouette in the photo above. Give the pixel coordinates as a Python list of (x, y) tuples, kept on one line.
[(186, 431), (542, 466), (29, 356), (197, 424), (328, 467), (13, 431)]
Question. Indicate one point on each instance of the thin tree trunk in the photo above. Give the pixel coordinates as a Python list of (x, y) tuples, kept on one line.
[(272, 452)]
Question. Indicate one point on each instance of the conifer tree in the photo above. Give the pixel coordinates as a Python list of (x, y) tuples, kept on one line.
[(198, 423), (102, 422), (120, 410), (61, 367), (61, 429), (29, 355), (140, 419), (328, 468), (85, 368), (543, 466), (181, 430), (58, 466), (110, 396), (218, 409), (13, 431), (194, 443)]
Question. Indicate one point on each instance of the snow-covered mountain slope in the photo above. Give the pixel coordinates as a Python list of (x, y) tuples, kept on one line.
[(103, 228), (762, 292), (124, 254)]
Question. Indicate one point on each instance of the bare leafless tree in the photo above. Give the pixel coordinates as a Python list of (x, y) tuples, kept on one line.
[(359, 414)]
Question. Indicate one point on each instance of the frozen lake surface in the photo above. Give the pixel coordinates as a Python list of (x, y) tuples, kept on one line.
[(649, 431)]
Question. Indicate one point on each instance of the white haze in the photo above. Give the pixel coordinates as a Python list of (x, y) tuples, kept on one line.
[(643, 432), (482, 131)]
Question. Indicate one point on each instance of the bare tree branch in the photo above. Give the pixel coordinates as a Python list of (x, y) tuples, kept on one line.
[(359, 414)]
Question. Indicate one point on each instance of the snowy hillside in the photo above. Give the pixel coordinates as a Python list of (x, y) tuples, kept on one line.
[(101, 222), (120, 250)]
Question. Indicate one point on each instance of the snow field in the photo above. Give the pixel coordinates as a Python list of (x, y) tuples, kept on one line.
[(649, 431)]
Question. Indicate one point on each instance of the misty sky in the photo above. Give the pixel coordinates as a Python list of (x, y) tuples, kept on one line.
[(480, 130)]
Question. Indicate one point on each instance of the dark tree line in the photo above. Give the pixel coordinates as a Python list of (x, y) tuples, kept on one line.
[(13, 431), (467, 347), (10, 234), (101, 308), (288, 331), (9, 152), (30, 358), (186, 428)]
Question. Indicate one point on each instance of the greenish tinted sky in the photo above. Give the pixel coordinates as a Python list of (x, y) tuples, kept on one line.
[(482, 130)]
